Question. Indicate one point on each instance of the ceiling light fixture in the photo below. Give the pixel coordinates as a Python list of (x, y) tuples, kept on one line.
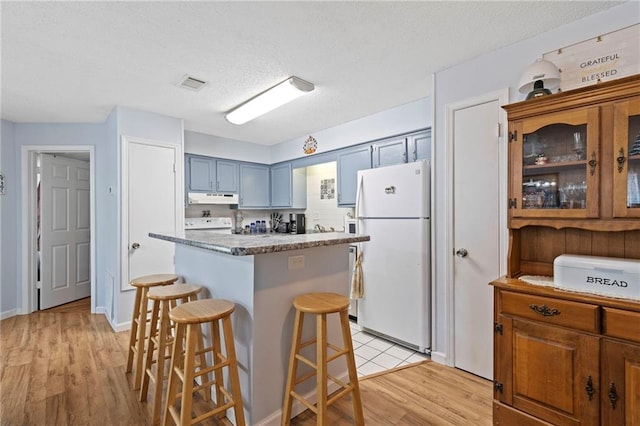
[(270, 99), (538, 78)]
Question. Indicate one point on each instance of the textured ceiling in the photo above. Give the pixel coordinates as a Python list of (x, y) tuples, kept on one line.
[(75, 61)]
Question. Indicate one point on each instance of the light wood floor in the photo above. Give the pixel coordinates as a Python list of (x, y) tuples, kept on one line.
[(67, 368)]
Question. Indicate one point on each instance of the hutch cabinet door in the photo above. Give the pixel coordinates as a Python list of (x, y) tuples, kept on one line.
[(553, 369), (555, 165), (620, 387), (626, 155)]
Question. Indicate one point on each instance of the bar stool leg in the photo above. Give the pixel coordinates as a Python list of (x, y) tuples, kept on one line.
[(293, 367), (351, 366), (176, 362), (153, 328), (142, 330), (187, 385), (133, 333), (163, 336), (233, 370), (321, 364), (214, 327)]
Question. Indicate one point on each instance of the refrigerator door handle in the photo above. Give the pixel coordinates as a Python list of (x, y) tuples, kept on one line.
[(358, 195)]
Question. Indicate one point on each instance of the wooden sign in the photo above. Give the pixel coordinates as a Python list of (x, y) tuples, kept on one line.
[(603, 58)]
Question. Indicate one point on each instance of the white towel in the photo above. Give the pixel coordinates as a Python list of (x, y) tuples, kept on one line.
[(357, 281)]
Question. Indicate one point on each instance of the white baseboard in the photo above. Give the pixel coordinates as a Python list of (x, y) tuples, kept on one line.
[(123, 326), (100, 310), (274, 419), (8, 314), (439, 357)]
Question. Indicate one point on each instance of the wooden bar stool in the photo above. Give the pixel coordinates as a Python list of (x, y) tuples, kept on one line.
[(188, 319), (163, 299), (321, 304), (140, 319)]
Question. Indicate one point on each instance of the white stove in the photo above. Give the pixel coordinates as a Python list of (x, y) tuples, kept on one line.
[(220, 225)]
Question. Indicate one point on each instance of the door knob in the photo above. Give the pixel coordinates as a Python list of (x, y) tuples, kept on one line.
[(462, 252), (135, 246)]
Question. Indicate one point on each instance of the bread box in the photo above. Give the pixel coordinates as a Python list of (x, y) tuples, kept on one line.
[(607, 276)]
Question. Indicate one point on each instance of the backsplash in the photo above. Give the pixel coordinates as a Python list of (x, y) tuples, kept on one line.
[(321, 203)]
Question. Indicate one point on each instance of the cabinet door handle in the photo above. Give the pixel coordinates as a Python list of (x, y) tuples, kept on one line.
[(589, 388), (613, 395), (621, 159), (544, 310), (593, 163)]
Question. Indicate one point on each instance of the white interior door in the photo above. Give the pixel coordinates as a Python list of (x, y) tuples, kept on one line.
[(150, 205), (65, 230), (476, 233)]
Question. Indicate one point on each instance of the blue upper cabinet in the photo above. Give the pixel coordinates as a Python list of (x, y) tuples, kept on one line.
[(389, 152), (206, 174), (288, 186), (254, 186), (227, 176), (201, 173), (349, 162), (419, 145), (281, 185)]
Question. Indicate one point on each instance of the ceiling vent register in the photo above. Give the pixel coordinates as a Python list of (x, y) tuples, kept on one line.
[(192, 83)]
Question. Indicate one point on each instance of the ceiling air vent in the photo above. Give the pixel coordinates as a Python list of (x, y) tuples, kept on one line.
[(192, 83)]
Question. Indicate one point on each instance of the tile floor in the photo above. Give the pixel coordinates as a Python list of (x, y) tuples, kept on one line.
[(374, 354)]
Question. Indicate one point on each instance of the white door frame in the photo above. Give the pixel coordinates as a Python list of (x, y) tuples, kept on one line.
[(124, 197), (28, 203), (502, 96)]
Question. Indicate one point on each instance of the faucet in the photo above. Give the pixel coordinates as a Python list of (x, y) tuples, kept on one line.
[(318, 228)]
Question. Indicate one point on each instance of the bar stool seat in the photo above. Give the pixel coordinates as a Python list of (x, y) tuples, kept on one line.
[(321, 305), (164, 299), (140, 319), (188, 319)]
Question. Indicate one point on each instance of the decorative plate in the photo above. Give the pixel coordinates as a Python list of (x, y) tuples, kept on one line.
[(310, 145)]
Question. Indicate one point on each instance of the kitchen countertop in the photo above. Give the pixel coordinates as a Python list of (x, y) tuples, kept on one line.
[(246, 245)]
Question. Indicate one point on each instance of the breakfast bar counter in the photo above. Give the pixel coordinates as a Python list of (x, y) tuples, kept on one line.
[(262, 274)]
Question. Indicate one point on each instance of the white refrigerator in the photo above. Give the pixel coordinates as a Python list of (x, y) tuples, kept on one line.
[(393, 207)]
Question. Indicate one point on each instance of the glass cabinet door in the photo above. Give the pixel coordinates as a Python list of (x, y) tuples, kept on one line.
[(626, 155), (555, 161)]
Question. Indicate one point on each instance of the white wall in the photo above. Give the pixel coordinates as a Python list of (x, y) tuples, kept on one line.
[(216, 146), (484, 74), (402, 119)]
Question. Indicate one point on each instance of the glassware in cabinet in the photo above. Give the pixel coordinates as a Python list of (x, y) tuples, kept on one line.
[(556, 162)]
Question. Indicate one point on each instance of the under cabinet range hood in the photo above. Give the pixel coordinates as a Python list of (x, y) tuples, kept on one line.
[(212, 198)]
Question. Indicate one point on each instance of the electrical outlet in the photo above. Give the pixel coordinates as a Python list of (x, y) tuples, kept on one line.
[(296, 262)]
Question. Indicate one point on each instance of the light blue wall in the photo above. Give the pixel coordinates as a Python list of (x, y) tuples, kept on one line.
[(8, 222), (485, 74), (402, 119), (14, 220), (149, 126)]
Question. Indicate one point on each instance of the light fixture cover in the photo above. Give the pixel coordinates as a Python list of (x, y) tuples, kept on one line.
[(540, 70), (270, 99)]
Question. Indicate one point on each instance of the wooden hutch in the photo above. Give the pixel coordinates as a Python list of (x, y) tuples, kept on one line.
[(570, 358)]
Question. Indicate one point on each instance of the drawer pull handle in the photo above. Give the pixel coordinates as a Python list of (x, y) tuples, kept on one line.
[(589, 388), (544, 310), (613, 395)]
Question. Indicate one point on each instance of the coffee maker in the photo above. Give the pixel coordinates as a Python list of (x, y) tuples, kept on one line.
[(297, 223)]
